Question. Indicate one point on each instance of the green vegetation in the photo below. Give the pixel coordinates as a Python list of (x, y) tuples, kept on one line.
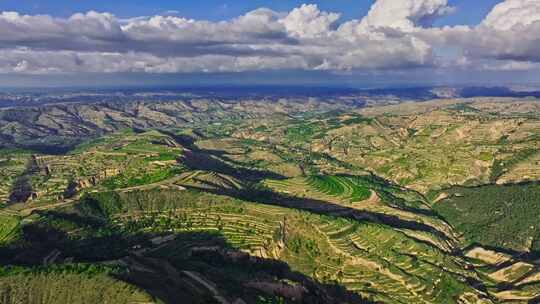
[(120, 160), (322, 206), (123, 181), (463, 107), (162, 157), (88, 145), (499, 216), (368, 258), (77, 284), (485, 156), (89, 270), (256, 228), (270, 300), (352, 188), (9, 229), (356, 120), (502, 165), (301, 132)]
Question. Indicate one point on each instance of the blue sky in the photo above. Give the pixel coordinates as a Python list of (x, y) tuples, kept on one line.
[(233, 42), (468, 11)]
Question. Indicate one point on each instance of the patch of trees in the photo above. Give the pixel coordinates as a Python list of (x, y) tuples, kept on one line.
[(495, 215)]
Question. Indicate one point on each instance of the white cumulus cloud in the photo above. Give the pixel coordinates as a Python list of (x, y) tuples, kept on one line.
[(406, 15), (394, 35)]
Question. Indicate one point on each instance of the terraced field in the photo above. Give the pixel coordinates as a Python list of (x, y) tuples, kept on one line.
[(77, 284), (287, 208), (242, 231), (208, 180), (9, 228), (351, 188), (13, 164), (426, 146), (374, 260), (384, 199), (508, 278), (381, 260), (121, 160)]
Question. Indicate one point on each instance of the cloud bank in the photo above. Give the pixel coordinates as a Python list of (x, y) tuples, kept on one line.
[(393, 36)]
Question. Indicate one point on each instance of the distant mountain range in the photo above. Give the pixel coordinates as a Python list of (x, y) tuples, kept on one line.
[(14, 98)]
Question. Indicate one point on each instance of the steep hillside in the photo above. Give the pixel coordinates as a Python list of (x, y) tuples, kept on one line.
[(504, 216), (411, 203), (57, 127), (423, 146)]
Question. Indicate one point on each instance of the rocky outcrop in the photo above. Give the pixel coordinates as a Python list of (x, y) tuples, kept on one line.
[(92, 181)]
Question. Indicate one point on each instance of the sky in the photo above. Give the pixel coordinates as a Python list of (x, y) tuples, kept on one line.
[(360, 43), (471, 12)]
